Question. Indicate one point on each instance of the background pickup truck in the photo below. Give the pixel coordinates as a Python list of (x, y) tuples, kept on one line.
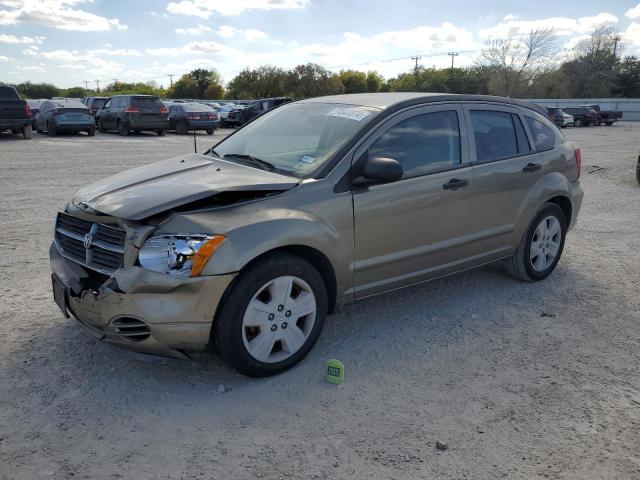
[(607, 116), (15, 114)]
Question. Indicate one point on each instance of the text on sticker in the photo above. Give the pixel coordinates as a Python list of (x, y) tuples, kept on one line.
[(350, 113)]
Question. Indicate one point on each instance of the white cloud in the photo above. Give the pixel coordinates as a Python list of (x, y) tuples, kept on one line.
[(561, 25), (632, 37), (4, 58), (634, 12), (192, 48), (199, 30), (60, 14), (116, 52), (205, 8), (23, 39), (226, 31)]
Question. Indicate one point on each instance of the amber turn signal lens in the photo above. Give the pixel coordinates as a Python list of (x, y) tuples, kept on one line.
[(204, 253)]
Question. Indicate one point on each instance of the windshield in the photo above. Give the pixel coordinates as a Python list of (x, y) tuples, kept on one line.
[(298, 138)]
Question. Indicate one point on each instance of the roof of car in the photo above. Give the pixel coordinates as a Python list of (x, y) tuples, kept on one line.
[(67, 104), (401, 99)]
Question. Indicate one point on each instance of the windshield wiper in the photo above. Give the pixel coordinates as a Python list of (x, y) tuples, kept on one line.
[(263, 164)]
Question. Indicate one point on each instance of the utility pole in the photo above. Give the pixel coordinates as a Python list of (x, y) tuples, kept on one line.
[(415, 70), (115, 80), (97, 84), (170, 80), (453, 56), (86, 84)]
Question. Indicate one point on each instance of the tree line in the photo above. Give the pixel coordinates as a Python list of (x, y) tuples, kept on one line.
[(525, 66)]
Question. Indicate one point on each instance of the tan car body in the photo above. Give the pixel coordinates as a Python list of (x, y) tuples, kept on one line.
[(364, 241)]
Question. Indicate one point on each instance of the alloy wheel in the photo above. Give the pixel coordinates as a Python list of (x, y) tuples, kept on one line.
[(545, 243), (279, 319)]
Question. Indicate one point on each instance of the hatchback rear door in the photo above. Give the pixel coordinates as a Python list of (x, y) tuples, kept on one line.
[(415, 228), (147, 109)]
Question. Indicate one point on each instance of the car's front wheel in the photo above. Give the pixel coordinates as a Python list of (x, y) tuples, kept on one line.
[(51, 130), (577, 122), (27, 132), (541, 247), (272, 316)]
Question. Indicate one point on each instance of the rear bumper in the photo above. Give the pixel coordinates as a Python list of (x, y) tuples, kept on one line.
[(73, 127), (178, 312), (577, 194), (148, 125), (14, 123)]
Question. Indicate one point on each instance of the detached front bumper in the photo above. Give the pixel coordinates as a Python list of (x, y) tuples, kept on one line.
[(141, 310)]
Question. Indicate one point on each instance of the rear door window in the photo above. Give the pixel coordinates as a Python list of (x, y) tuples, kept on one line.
[(543, 136), (495, 135), (422, 144)]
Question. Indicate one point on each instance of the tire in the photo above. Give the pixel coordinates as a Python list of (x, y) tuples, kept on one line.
[(231, 336), (210, 131), (181, 128), (521, 265), (161, 133), (608, 124), (598, 122), (101, 129), (123, 130), (91, 132), (51, 131), (27, 132), (578, 122)]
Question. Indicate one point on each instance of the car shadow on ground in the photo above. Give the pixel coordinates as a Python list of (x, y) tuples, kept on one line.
[(423, 319)]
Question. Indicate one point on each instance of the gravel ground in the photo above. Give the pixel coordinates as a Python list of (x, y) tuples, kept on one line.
[(520, 380)]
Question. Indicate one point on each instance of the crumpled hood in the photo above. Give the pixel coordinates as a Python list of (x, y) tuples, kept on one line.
[(151, 189)]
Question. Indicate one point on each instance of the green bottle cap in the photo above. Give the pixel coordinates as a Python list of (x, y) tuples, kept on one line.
[(335, 372)]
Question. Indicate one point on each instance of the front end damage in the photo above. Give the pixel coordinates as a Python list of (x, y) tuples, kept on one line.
[(132, 307)]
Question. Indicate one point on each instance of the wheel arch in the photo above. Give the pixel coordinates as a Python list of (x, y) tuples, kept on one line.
[(565, 204), (316, 258)]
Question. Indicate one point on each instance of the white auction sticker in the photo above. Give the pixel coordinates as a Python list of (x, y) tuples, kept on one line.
[(350, 113)]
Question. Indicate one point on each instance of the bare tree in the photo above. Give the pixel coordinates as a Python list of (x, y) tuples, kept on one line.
[(514, 62)]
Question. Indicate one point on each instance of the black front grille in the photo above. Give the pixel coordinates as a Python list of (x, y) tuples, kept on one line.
[(94, 245)]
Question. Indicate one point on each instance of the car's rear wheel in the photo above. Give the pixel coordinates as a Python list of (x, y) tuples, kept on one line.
[(123, 129), (160, 133), (91, 132), (541, 247), (181, 128), (272, 316), (577, 122), (210, 131), (51, 130), (101, 128), (598, 122), (608, 124), (27, 132)]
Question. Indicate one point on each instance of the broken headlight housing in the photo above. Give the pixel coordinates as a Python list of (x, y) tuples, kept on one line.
[(179, 255)]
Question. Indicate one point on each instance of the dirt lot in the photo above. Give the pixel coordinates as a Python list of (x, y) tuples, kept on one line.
[(520, 380)]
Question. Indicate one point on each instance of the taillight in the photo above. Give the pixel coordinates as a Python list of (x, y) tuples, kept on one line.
[(132, 110), (578, 155), (163, 109), (27, 110)]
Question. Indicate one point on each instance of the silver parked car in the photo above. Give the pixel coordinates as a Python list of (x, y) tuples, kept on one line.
[(312, 205)]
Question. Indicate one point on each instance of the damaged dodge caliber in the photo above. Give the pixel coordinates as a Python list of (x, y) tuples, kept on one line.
[(248, 247)]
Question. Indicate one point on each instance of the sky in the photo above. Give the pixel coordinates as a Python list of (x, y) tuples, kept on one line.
[(70, 42)]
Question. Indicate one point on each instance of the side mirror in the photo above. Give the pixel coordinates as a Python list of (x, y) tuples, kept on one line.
[(379, 170)]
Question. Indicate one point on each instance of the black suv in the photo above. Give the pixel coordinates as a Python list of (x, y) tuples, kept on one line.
[(583, 116), (137, 113)]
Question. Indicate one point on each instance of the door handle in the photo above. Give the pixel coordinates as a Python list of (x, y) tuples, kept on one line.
[(532, 167), (455, 183)]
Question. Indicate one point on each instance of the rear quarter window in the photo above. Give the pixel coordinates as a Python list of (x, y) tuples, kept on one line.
[(544, 138), (146, 103)]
